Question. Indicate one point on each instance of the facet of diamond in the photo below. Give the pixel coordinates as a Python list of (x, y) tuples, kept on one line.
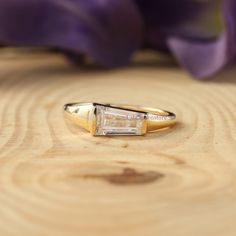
[(116, 121)]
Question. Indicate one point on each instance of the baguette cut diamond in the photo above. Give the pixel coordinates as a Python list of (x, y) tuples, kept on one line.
[(116, 121)]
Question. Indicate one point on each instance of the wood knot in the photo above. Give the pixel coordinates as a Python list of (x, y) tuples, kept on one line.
[(129, 176)]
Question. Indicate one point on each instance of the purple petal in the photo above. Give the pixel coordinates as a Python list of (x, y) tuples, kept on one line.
[(109, 31), (204, 59)]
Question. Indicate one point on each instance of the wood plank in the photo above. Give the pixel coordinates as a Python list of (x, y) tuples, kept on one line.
[(55, 180)]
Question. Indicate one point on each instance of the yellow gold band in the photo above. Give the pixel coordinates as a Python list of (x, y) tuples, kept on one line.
[(115, 119)]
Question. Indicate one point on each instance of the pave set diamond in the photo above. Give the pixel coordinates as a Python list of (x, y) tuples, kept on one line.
[(116, 121)]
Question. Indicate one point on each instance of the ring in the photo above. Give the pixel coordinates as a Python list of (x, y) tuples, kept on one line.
[(112, 119)]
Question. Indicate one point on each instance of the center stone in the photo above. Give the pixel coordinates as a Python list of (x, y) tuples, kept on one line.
[(115, 121)]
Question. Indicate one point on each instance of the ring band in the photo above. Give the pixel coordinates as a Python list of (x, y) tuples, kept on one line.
[(113, 119)]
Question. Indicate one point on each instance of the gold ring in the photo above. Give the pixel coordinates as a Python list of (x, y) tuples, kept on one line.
[(113, 119)]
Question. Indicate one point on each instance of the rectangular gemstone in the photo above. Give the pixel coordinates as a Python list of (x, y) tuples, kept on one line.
[(115, 121)]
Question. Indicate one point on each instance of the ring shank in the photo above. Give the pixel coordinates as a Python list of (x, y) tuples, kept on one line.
[(79, 114), (161, 122)]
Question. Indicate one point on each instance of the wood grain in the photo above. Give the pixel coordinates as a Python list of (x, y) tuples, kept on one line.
[(59, 181)]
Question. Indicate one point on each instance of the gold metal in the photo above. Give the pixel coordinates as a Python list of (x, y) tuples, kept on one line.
[(84, 115)]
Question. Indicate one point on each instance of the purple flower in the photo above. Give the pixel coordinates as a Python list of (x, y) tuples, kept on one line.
[(110, 31)]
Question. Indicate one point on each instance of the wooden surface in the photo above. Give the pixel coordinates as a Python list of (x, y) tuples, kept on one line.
[(59, 181)]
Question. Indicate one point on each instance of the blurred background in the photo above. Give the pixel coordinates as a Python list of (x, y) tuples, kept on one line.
[(197, 34)]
